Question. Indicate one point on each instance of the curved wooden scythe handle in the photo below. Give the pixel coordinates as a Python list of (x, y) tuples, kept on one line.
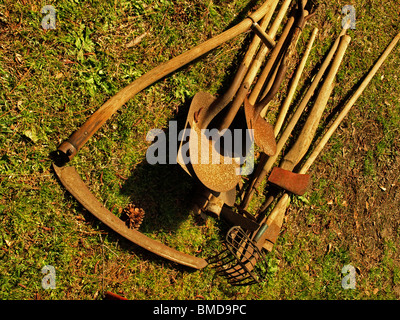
[(70, 147)]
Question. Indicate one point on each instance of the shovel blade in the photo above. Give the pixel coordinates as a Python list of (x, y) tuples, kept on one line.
[(264, 136), (263, 132)]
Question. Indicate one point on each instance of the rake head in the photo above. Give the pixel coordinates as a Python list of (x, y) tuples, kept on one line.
[(242, 262)]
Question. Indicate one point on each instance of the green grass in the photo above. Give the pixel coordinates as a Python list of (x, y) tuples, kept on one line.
[(52, 81)]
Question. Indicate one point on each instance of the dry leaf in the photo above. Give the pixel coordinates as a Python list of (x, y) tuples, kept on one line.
[(8, 243), (31, 135), (136, 41), (18, 58)]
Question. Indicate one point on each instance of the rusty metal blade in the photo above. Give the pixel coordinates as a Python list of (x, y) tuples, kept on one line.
[(74, 184), (293, 182)]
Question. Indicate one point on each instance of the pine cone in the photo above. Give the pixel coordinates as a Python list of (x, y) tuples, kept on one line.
[(133, 216)]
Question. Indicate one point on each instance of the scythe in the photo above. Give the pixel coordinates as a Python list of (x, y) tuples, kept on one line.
[(68, 149)]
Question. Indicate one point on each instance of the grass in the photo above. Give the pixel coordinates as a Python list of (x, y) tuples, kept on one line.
[(52, 81)]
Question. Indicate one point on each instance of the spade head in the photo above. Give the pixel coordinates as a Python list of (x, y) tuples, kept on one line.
[(216, 171), (263, 132)]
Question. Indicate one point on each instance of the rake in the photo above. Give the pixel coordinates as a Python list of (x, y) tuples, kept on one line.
[(242, 263)]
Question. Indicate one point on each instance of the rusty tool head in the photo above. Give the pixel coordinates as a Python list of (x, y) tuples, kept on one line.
[(263, 132), (293, 182), (215, 170)]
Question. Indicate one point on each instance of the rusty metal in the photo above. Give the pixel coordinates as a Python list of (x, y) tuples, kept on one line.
[(263, 132), (242, 262), (290, 181)]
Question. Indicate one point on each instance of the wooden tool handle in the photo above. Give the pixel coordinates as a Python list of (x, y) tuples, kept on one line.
[(348, 106), (270, 161), (70, 147), (223, 101), (253, 70), (307, 134), (293, 84)]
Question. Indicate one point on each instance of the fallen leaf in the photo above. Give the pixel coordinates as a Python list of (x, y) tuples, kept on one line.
[(136, 40), (59, 75), (8, 243), (376, 290), (382, 188), (304, 199), (31, 134), (330, 202), (18, 58)]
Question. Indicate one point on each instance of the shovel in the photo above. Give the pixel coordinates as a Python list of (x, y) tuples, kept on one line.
[(218, 172), (262, 129)]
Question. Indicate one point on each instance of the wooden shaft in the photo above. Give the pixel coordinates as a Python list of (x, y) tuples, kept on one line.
[(278, 213), (299, 149), (269, 162), (348, 106), (251, 74), (223, 101), (265, 37), (294, 83), (82, 135), (271, 62)]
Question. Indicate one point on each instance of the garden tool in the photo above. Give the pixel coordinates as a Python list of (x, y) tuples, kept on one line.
[(213, 203), (283, 177), (247, 250), (254, 121), (266, 164), (275, 219), (68, 149), (242, 218), (216, 171), (290, 93), (255, 66)]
